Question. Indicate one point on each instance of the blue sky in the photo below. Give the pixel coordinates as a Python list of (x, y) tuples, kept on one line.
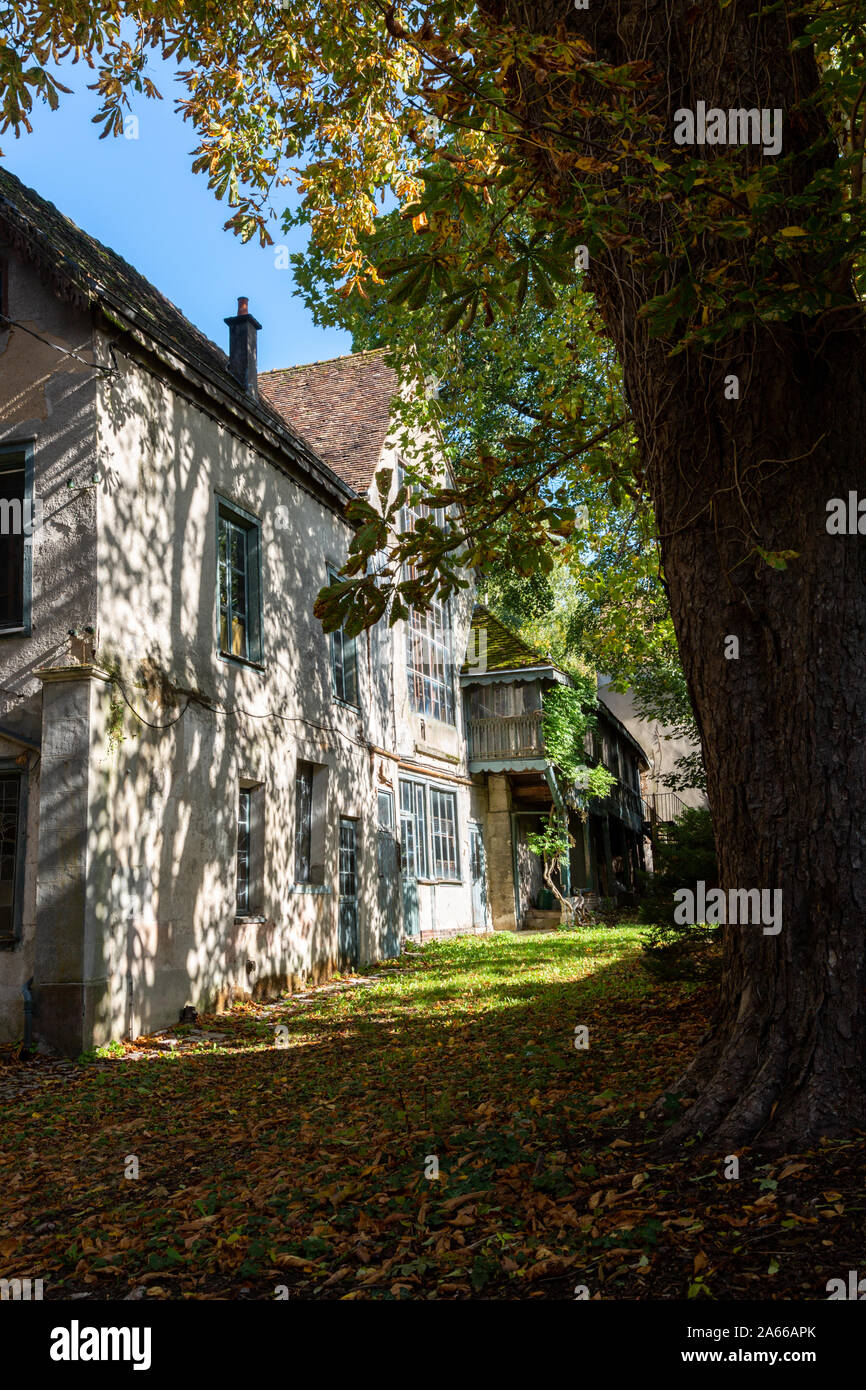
[(141, 198)]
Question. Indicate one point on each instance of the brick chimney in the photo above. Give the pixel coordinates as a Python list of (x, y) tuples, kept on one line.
[(243, 329)]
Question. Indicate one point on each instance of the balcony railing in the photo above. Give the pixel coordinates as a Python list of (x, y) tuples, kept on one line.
[(665, 806), (506, 736)]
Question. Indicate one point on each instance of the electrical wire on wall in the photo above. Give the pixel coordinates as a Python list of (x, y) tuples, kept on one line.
[(195, 698)]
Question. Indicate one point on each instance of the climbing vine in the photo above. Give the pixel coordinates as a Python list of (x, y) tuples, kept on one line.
[(569, 712)]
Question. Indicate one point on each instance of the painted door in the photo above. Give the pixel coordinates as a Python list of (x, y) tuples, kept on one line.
[(478, 873), (409, 875), (388, 887), (347, 946)]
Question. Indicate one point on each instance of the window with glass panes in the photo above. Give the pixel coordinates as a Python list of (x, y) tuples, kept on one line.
[(303, 821), (238, 584), (344, 663), (413, 826), (428, 830), (14, 552), (245, 798), (443, 834), (429, 664)]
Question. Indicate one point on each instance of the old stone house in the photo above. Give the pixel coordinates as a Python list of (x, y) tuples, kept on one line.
[(202, 795)]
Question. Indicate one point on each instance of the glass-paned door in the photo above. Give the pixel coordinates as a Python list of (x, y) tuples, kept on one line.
[(348, 952), (388, 882), (478, 873), (409, 874)]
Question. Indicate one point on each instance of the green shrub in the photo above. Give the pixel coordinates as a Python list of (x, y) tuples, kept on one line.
[(672, 951)]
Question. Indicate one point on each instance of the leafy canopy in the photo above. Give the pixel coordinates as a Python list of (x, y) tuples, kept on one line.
[(513, 156)]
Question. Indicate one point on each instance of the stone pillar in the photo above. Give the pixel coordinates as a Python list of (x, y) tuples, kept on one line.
[(70, 971), (500, 853)]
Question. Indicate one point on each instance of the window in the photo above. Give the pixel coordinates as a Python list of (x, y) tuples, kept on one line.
[(443, 834), (348, 953), (16, 523), (250, 866), (413, 826), (429, 664), (344, 662), (11, 826), (245, 797), (385, 810), (504, 699), (440, 857), (238, 584), (303, 822)]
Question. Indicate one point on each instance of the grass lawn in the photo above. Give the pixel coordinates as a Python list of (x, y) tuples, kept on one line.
[(296, 1151)]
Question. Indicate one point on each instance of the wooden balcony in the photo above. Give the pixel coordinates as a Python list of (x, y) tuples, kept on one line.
[(507, 736), (624, 803)]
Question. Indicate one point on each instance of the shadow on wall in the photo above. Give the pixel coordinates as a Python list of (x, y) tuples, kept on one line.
[(162, 826)]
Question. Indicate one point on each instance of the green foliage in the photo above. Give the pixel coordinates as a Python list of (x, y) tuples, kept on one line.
[(552, 843), (568, 714), (673, 951), (682, 953)]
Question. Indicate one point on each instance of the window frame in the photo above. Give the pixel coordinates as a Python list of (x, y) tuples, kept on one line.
[(23, 450), (251, 527), (254, 794), (338, 636), (431, 687), (424, 838), (437, 839), (10, 768), (422, 636), (245, 799), (304, 770)]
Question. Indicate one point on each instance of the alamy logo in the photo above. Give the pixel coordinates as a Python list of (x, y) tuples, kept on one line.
[(76, 1343), (846, 518), (19, 518), (855, 1289), (20, 1289), (738, 126), (739, 906)]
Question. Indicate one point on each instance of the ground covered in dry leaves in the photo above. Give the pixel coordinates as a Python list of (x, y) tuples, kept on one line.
[(284, 1150)]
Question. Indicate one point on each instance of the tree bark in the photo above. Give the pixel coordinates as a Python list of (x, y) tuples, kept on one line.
[(782, 725)]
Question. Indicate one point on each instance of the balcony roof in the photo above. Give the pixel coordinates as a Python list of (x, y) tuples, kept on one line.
[(513, 763), (500, 655)]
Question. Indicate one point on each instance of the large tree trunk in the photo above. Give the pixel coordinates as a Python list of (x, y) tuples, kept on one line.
[(783, 725)]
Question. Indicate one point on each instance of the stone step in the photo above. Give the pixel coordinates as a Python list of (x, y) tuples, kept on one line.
[(541, 919)]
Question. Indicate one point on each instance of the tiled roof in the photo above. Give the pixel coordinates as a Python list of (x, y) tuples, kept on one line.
[(342, 407), (81, 269), (505, 650)]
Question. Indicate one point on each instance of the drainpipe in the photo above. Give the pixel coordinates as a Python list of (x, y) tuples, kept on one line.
[(565, 870), (28, 1016)]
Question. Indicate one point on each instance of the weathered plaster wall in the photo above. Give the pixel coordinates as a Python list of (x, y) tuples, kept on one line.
[(135, 911), (49, 400), (169, 931), (169, 928)]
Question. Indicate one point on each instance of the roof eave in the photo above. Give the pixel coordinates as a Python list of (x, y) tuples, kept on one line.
[(540, 671)]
